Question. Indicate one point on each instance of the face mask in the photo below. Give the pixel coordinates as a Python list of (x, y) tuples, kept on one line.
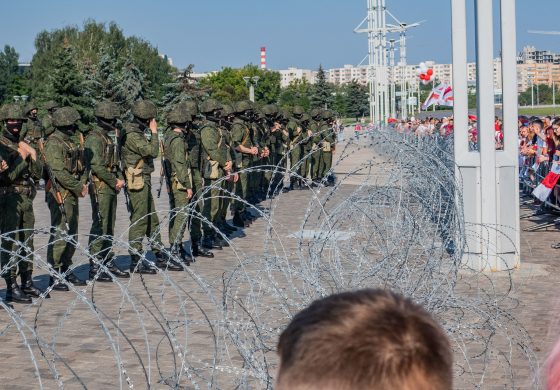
[(13, 128)]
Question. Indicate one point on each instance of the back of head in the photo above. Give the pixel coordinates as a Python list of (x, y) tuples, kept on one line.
[(65, 116), (144, 109), (368, 339), (107, 110)]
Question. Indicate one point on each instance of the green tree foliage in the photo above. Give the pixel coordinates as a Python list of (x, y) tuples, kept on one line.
[(130, 86), (298, 93), (357, 100), (67, 83), (11, 82), (184, 87), (541, 94), (228, 84), (322, 92), (101, 54)]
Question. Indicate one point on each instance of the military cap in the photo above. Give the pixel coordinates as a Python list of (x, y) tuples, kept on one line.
[(190, 106), (316, 113), (326, 114), (30, 107), (107, 110), (210, 105), (178, 115), (65, 116), (13, 111), (51, 105), (243, 105), (270, 110), (144, 109), (298, 110), (227, 109)]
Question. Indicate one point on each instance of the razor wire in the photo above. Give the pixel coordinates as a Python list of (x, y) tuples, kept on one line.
[(393, 220)]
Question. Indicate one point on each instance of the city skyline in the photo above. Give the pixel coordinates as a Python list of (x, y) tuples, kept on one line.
[(221, 34)]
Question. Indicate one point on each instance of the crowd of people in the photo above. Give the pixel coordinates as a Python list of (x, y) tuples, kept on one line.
[(215, 157)]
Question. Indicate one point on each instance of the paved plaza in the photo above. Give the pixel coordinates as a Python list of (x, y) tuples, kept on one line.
[(90, 353)]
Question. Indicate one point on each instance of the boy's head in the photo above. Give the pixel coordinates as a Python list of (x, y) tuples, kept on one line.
[(368, 339)]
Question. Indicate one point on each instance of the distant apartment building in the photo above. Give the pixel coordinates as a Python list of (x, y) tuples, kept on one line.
[(347, 73), (287, 76), (530, 54)]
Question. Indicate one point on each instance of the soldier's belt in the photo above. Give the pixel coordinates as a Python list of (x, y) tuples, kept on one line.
[(21, 190)]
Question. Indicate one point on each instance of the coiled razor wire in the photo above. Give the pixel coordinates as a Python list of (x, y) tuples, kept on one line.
[(392, 220)]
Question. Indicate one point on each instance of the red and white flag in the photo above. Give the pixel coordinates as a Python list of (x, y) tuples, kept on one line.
[(442, 95), (543, 190)]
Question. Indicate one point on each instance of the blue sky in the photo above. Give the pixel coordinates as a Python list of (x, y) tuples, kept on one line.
[(302, 33)]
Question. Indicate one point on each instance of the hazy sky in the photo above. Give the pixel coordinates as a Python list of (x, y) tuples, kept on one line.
[(302, 33)]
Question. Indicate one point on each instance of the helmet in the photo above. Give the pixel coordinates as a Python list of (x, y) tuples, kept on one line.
[(30, 107), (210, 105), (107, 110), (316, 113), (227, 109), (13, 111), (65, 116), (298, 111), (270, 110), (190, 106), (51, 105), (305, 117), (285, 113), (144, 109), (326, 114), (178, 115), (243, 105)]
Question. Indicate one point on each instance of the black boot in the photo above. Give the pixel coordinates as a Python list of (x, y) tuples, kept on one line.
[(119, 273), (165, 263), (95, 274), (209, 243), (176, 252), (14, 293), (186, 255), (141, 267), (28, 287), (70, 277), (56, 283), (198, 251), (237, 220)]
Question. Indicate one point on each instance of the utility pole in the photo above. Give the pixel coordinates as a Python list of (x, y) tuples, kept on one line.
[(251, 82)]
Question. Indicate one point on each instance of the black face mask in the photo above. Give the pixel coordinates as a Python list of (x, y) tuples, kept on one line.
[(68, 130), (13, 128), (32, 115)]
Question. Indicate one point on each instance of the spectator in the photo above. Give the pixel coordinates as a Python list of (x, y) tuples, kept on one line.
[(552, 369), (368, 339), (357, 130)]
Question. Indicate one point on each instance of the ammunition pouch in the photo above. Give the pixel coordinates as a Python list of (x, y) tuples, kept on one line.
[(134, 176), (211, 169)]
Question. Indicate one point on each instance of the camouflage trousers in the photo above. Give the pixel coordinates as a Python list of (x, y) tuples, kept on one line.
[(17, 215), (102, 231), (60, 250), (144, 221), (178, 203)]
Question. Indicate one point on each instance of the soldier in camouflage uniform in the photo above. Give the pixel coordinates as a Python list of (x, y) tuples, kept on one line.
[(244, 153), (178, 172), (33, 130), (194, 151), (64, 158), (217, 163), (105, 182), (316, 127), (138, 157), (282, 140), (51, 106), (327, 145), (17, 191), (296, 135)]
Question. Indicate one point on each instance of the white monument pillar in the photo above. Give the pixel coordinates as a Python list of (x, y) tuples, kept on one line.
[(489, 178)]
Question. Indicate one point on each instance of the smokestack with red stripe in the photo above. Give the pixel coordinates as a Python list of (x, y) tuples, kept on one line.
[(263, 57)]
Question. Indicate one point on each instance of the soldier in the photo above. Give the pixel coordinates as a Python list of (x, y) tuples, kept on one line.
[(51, 106), (33, 130), (296, 135), (105, 181), (315, 128), (282, 140), (194, 151), (217, 164), (17, 191), (244, 153), (178, 176), (327, 145), (66, 185), (138, 157)]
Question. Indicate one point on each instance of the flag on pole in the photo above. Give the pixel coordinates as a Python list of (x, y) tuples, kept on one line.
[(543, 190), (442, 95)]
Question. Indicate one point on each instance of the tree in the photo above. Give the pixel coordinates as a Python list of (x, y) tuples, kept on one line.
[(184, 87), (130, 86), (357, 102), (9, 73), (322, 92), (67, 84), (298, 93)]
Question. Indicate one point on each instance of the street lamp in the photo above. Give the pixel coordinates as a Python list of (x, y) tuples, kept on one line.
[(251, 82), (23, 98)]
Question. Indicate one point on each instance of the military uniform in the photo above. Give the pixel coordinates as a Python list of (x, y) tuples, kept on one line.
[(102, 162), (65, 160), (17, 191), (327, 145)]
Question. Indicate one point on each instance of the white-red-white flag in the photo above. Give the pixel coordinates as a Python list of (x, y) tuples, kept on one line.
[(543, 190), (442, 95)]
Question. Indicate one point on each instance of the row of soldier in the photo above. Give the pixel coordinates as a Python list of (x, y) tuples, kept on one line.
[(214, 157)]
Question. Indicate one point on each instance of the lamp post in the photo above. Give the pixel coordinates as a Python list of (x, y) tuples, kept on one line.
[(251, 82), (23, 98)]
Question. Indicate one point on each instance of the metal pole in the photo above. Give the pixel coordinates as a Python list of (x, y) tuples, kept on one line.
[(553, 95), (532, 94), (252, 92), (537, 94)]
